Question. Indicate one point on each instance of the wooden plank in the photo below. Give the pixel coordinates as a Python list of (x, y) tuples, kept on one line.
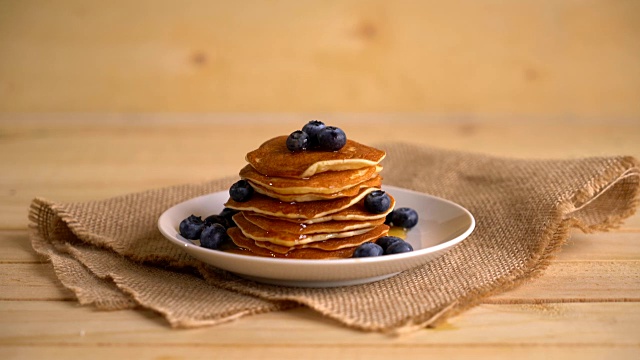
[(523, 57), (578, 281), (15, 247), (291, 351), (561, 282), (55, 158), (563, 325), (617, 245), (31, 282)]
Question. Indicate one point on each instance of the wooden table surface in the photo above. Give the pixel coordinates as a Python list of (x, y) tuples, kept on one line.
[(586, 305)]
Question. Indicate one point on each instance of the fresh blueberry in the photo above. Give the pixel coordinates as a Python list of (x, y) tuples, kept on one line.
[(387, 241), (398, 247), (368, 249), (404, 217), (241, 191), (331, 138), (377, 202), (213, 236), (387, 220), (298, 141), (312, 128), (216, 219), (228, 213), (191, 227)]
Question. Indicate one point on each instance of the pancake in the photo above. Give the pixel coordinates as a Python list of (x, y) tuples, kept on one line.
[(376, 182), (293, 210), (356, 212), (331, 244), (301, 228), (311, 254), (257, 233), (273, 158), (324, 183)]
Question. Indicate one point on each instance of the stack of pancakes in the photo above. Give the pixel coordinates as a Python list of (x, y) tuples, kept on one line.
[(308, 204)]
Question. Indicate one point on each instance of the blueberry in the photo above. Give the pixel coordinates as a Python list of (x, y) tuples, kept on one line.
[(368, 249), (387, 241), (191, 227), (404, 217), (213, 236), (298, 141), (377, 202), (241, 191), (312, 128), (387, 220), (398, 247), (331, 138), (216, 219), (228, 215)]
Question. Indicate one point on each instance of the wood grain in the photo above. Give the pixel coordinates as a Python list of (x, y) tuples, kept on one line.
[(288, 351), (40, 323), (491, 57)]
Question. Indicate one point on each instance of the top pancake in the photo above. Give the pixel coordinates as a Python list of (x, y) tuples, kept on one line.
[(273, 158)]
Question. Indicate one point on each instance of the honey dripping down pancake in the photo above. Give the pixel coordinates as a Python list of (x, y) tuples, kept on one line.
[(295, 227), (294, 210), (309, 254), (275, 236), (328, 245), (376, 182), (273, 158), (324, 183), (355, 212)]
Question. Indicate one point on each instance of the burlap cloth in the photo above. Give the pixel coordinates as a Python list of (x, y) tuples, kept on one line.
[(111, 255)]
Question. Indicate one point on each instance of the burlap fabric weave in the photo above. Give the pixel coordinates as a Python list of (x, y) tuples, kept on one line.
[(111, 254)]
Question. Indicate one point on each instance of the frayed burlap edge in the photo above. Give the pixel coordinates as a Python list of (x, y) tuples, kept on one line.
[(554, 238)]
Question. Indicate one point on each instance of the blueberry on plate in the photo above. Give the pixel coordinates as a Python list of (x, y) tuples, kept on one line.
[(398, 247), (191, 227), (404, 217), (228, 213), (241, 191), (298, 141), (312, 128), (387, 241), (387, 220), (377, 202), (216, 219), (368, 249), (213, 236), (331, 138)]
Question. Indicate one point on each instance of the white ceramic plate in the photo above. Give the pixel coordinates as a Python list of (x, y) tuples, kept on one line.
[(442, 225)]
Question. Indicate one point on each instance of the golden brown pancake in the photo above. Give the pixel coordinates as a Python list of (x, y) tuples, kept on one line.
[(356, 212), (273, 158), (293, 210), (249, 245), (275, 236), (296, 227), (328, 245), (324, 183), (376, 182)]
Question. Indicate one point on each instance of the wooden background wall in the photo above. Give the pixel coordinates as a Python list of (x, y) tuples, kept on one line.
[(528, 57)]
